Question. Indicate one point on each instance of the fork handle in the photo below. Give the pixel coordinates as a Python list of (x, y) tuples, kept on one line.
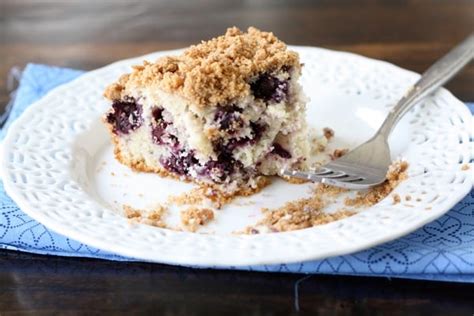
[(437, 75)]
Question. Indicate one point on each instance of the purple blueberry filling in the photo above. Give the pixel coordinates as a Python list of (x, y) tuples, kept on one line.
[(183, 161), (257, 132), (180, 162), (233, 143), (221, 168), (158, 131), (126, 116), (280, 151), (229, 118), (157, 114), (269, 88)]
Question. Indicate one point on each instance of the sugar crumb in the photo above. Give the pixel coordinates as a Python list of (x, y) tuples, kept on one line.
[(195, 196), (328, 190), (193, 217), (318, 144), (153, 217), (328, 133), (131, 212), (338, 153), (299, 214), (217, 197), (396, 198), (294, 180)]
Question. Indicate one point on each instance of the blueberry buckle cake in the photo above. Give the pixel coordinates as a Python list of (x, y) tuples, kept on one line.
[(224, 113)]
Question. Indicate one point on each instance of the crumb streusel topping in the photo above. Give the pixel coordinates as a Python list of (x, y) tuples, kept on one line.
[(213, 72)]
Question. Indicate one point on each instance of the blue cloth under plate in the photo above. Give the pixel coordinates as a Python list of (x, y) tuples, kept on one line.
[(442, 250)]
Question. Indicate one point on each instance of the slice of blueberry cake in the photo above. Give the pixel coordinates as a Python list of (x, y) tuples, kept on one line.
[(225, 112)]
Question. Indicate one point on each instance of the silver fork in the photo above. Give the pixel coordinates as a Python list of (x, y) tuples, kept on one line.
[(367, 164)]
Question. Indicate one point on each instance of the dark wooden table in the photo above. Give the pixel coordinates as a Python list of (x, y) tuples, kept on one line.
[(89, 34)]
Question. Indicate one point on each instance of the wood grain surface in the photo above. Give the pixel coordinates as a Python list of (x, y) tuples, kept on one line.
[(89, 34), (41, 285)]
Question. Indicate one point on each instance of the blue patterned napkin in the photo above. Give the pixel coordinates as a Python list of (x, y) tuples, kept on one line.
[(442, 250)]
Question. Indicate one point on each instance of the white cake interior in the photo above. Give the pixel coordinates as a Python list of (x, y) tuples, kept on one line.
[(230, 144)]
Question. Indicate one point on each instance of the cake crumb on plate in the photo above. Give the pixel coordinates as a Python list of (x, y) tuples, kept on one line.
[(152, 217), (396, 173), (396, 198), (217, 197), (131, 212), (328, 133), (193, 217), (338, 153)]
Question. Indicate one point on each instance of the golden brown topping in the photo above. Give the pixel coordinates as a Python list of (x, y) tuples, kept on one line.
[(213, 72)]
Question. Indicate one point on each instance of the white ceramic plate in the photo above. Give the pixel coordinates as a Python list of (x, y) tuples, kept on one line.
[(57, 165)]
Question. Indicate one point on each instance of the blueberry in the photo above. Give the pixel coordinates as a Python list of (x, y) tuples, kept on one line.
[(228, 148), (225, 164), (157, 114), (269, 88), (126, 116), (221, 168), (257, 132), (159, 134), (280, 151), (180, 162), (233, 143), (229, 118)]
